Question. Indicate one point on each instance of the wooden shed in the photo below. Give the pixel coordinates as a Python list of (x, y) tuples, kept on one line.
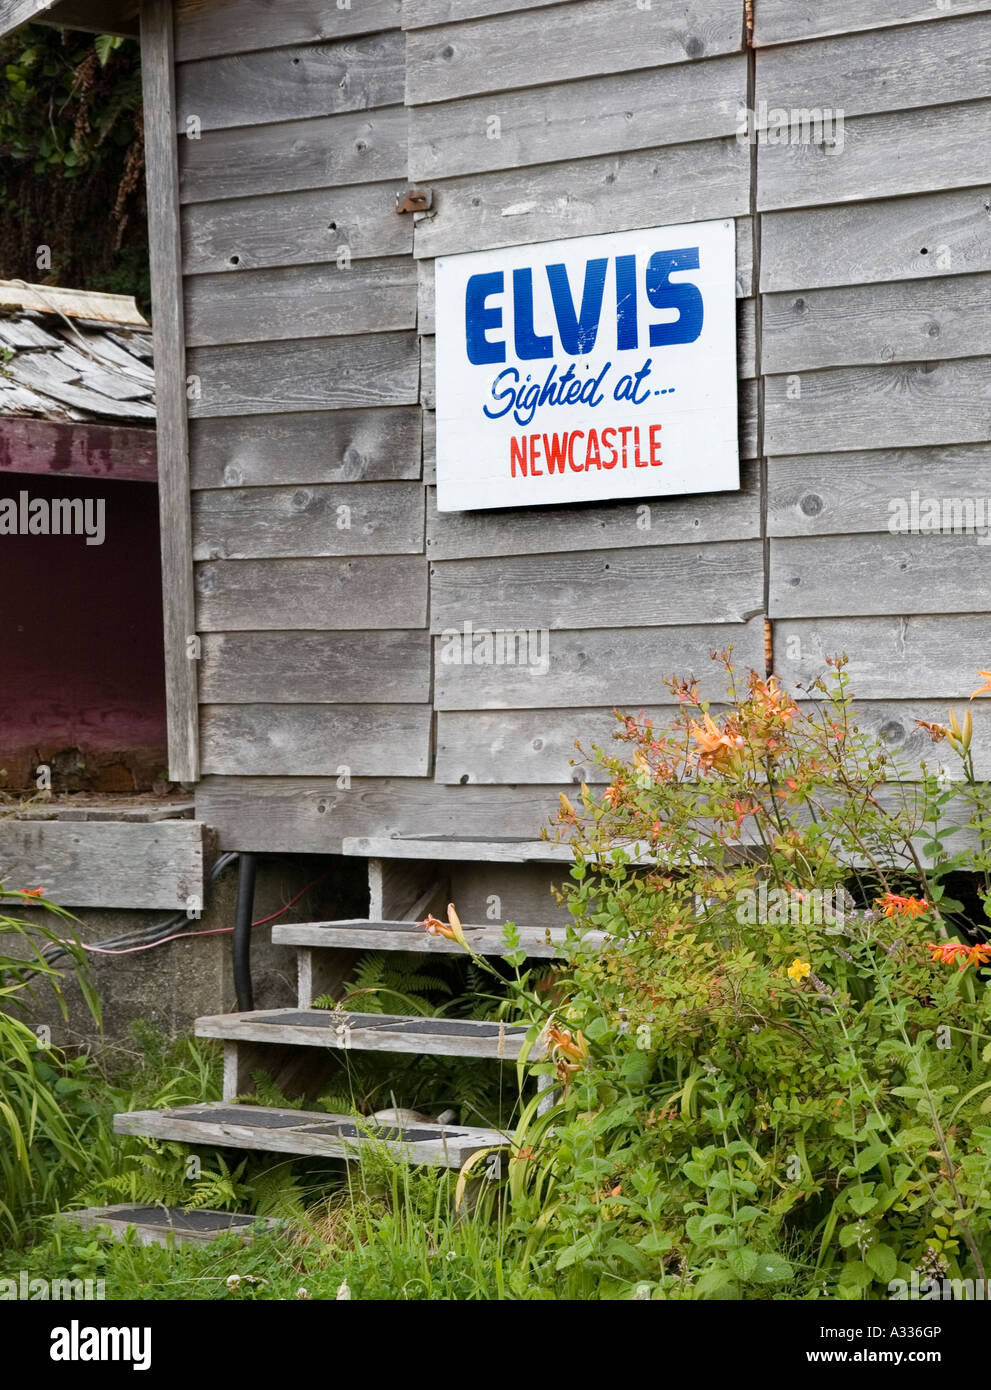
[(310, 161)]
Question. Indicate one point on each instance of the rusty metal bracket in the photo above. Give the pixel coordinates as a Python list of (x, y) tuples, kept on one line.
[(415, 200), (748, 21)]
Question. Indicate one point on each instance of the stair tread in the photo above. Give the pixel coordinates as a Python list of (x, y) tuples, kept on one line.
[(160, 1224), (315, 1132), (485, 940), (449, 1037)]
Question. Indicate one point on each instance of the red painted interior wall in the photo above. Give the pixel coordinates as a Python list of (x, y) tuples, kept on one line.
[(82, 678)]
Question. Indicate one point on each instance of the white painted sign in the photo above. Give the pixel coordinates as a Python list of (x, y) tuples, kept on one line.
[(600, 366)]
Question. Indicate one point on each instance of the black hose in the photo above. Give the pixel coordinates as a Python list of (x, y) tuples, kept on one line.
[(243, 991)]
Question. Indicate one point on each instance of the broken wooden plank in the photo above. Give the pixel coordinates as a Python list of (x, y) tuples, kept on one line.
[(168, 1226)]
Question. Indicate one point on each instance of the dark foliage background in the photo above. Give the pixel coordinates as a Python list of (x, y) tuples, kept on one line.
[(72, 162)]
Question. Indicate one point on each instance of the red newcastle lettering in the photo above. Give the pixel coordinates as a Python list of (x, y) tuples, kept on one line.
[(573, 439), (599, 450), (555, 452)]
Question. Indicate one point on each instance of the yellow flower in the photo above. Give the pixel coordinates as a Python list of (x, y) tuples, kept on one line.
[(961, 737), (799, 969)]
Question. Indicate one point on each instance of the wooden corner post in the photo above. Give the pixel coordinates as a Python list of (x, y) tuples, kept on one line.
[(178, 598)]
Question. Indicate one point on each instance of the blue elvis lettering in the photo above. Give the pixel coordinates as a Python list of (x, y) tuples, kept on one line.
[(578, 330), (686, 298), (479, 319), (529, 344), (578, 333), (627, 335)]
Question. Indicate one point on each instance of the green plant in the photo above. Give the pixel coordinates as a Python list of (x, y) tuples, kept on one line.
[(44, 1125), (71, 187), (775, 1082)]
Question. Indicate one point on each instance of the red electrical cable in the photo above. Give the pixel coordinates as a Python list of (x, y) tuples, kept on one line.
[(212, 931)]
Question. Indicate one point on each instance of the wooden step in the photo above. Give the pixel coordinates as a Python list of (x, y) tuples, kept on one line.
[(308, 1132), (159, 1225), (326, 1028), (356, 933)]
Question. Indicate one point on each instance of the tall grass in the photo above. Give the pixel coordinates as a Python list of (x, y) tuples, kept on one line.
[(44, 1136)]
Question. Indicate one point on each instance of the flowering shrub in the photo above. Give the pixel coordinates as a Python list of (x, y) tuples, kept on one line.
[(776, 1072)]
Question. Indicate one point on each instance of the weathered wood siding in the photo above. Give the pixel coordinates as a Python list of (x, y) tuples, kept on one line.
[(875, 260), (300, 294), (606, 117), (327, 585)]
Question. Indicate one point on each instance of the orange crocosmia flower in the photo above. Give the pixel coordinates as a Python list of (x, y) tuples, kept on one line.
[(708, 735), (892, 905), (713, 742), (775, 701), (452, 928), (955, 952), (32, 892), (433, 926), (570, 1051), (986, 687)]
